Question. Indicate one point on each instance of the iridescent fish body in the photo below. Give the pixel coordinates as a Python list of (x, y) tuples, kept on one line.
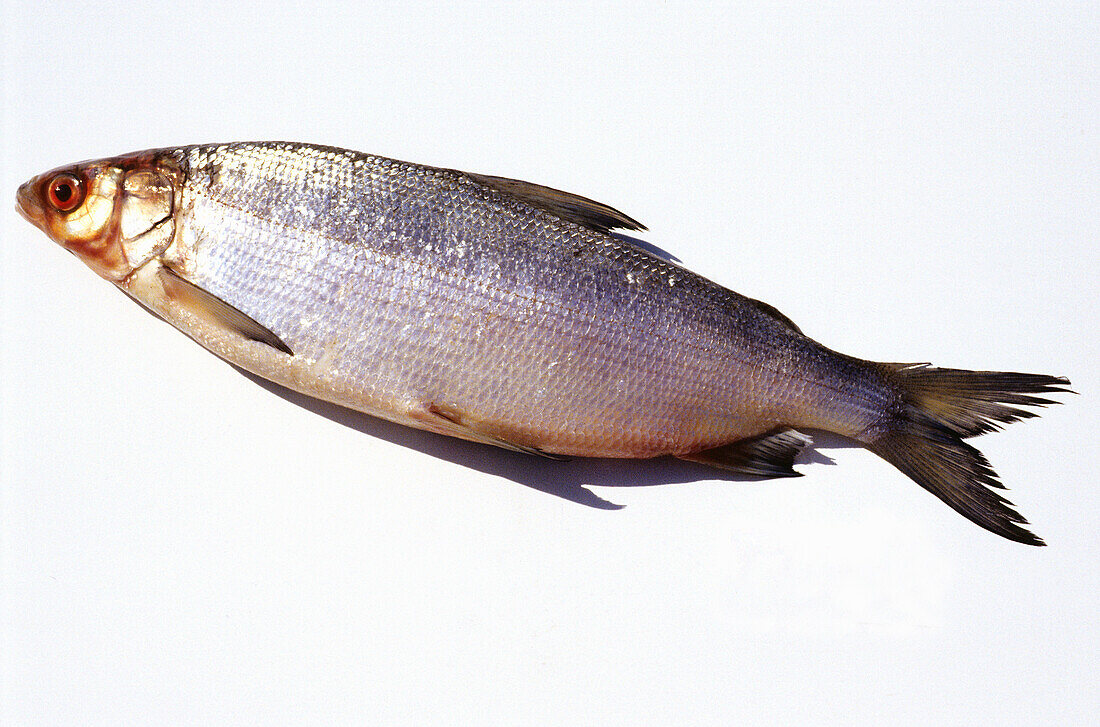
[(501, 312)]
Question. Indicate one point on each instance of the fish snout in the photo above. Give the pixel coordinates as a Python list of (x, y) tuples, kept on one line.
[(29, 206)]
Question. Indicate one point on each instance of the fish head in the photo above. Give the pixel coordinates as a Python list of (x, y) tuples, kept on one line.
[(114, 214)]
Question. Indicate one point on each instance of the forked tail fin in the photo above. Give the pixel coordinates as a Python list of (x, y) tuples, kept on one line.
[(941, 407)]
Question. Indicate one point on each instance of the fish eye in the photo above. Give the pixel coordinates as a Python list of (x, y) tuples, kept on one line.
[(65, 192)]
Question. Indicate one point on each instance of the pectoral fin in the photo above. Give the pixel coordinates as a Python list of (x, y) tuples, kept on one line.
[(572, 207), (448, 420), (768, 455), (213, 309)]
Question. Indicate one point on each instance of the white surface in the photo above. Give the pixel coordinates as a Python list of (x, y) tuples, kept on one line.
[(182, 546)]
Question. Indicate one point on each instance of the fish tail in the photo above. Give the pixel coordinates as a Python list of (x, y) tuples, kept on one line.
[(936, 410)]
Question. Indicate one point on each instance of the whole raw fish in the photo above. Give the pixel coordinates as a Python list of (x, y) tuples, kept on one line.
[(501, 312)]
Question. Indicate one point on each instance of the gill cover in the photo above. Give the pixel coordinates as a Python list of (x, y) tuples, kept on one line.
[(145, 220)]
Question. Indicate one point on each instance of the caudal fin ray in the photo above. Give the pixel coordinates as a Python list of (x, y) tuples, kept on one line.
[(974, 402), (958, 474), (938, 408)]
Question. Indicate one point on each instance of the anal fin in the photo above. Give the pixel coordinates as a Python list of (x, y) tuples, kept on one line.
[(768, 455), (448, 420), (213, 309)]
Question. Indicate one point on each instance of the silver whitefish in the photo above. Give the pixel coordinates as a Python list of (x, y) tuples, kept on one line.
[(502, 312)]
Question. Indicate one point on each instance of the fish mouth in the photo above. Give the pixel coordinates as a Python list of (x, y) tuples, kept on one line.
[(28, 205)]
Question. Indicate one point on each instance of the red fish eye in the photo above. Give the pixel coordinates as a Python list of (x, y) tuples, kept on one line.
[(65, 192)]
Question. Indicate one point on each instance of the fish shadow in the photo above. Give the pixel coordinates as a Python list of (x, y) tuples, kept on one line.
[(568, 479)]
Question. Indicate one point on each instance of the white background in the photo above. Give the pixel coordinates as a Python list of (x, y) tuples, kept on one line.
[(909, 183)]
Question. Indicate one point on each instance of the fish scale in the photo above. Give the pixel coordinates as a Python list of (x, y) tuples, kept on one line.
[(437, 288), (502, 312)]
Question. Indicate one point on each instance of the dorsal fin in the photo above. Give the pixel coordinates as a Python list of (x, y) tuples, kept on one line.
[(571, 207)]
